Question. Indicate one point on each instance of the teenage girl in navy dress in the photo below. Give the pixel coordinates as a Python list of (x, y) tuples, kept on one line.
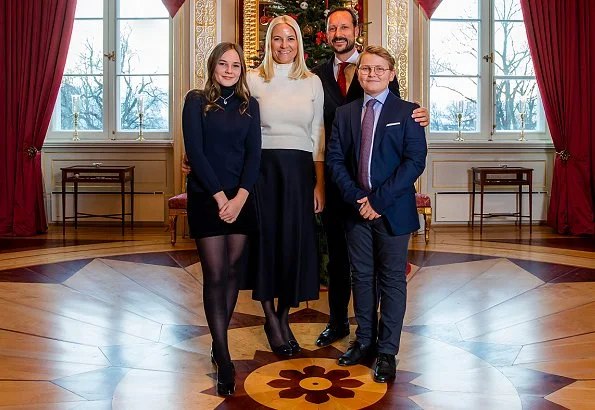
[(222, 138)]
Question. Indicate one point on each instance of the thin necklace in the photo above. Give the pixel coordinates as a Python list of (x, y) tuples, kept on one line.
[(227, 98)]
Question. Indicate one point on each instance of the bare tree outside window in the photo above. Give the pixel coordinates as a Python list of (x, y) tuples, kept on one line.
[(456, 57), (108, 83)]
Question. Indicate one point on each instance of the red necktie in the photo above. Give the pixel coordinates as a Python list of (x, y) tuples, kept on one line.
[(341, 80), (365, 147)]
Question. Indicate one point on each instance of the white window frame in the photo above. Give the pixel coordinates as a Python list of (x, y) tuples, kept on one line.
[(111, 119), (487, 84)]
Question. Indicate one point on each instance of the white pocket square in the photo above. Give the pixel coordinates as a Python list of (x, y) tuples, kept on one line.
[(390, 124)]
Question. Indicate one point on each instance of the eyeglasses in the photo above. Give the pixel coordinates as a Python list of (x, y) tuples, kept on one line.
[(368, 69)]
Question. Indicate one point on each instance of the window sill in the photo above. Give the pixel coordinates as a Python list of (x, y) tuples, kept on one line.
[(107, 143), (490, 145)]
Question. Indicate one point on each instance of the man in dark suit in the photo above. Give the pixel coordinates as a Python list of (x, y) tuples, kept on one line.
[(375, 154), (341, 86)]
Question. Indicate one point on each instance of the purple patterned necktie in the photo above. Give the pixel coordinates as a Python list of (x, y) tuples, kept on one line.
[(365, 148)]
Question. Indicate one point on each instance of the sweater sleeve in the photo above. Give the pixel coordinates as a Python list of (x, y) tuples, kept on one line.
[(318, 120), (192, 117), (253, 148)]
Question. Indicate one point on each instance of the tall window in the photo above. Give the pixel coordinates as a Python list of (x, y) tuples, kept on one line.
[(481, 68), (118, 65)]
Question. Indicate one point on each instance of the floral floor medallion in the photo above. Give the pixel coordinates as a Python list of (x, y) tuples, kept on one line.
[(313, 384)]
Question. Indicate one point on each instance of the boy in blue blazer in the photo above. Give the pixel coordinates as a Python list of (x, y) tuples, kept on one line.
[(375, 154)]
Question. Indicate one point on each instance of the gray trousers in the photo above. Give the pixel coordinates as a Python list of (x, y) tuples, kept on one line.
[(378, 264)]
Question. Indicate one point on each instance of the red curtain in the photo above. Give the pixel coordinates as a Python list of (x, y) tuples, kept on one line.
[(429, 6), (173, 6), (562, 39), (34, 39)]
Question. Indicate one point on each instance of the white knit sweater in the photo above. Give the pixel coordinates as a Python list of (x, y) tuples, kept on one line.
[(290, 111)]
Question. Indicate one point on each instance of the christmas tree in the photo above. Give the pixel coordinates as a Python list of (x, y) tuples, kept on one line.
[(311, 17)]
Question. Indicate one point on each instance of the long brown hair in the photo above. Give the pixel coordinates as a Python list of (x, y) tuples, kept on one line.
[(212, 90)]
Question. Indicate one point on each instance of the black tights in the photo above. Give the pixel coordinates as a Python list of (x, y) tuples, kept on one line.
[(220, 258), (278, 322)]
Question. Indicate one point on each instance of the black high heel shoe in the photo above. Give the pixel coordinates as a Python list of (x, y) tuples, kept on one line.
[(226, 384), (295, 346), (281, 350)]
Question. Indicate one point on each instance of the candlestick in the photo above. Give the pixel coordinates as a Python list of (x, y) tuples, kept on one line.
[(522, 137), (459, 134), (75, 134), (523, 104), (75, 115), (140, 128), (75, 103)]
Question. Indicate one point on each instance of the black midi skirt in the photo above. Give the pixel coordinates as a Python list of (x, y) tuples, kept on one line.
[(204, 221), (285, 255)]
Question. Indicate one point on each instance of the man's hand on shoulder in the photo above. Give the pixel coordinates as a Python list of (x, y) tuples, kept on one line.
[(421, 115)]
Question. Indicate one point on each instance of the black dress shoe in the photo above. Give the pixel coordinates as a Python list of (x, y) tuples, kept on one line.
[(331, 334), (356, 353), (281, 350), (385, 369), (226, 385), (295, 346)]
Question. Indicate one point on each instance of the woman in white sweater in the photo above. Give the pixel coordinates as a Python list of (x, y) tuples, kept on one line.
[(290, 187)]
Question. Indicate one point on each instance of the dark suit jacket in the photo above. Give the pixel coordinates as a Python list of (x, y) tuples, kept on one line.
[(398, 159)]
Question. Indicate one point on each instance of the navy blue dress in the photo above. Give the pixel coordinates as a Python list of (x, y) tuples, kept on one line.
[(224, 148)]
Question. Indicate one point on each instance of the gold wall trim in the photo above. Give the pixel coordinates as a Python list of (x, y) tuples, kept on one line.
[(205, 37), (250, 31), (397, 40)]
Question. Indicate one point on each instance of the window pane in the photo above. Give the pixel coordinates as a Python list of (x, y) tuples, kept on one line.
[(508, 10), (89, 9), (513, 97), (155, 93), (457, 9), (142, 8), (144, 47), (512, 56), (85, 53), (448, 97), (90, 106), (453, 48)]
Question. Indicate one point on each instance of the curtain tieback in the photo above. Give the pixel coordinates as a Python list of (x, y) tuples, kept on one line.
[(32, 152), (564, 155)]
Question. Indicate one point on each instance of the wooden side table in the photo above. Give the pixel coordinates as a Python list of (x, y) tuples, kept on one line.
[(502, 176), (92, 175)]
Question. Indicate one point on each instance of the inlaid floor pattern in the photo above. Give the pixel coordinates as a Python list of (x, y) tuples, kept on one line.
[(482, 331)]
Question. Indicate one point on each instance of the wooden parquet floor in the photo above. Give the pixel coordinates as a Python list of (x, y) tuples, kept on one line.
[(96, 320)]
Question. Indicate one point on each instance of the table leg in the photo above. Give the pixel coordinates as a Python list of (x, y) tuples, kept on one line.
[(132, 200), (63, 203), (123, 198), (530, 177), (76, 204), (520, 205), (481, 188), (473, 203)]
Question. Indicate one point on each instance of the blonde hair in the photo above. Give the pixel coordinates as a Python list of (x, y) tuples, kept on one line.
[(380, 52), (266, 69)]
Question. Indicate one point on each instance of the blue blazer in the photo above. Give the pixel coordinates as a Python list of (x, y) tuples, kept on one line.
[(398, 159)]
